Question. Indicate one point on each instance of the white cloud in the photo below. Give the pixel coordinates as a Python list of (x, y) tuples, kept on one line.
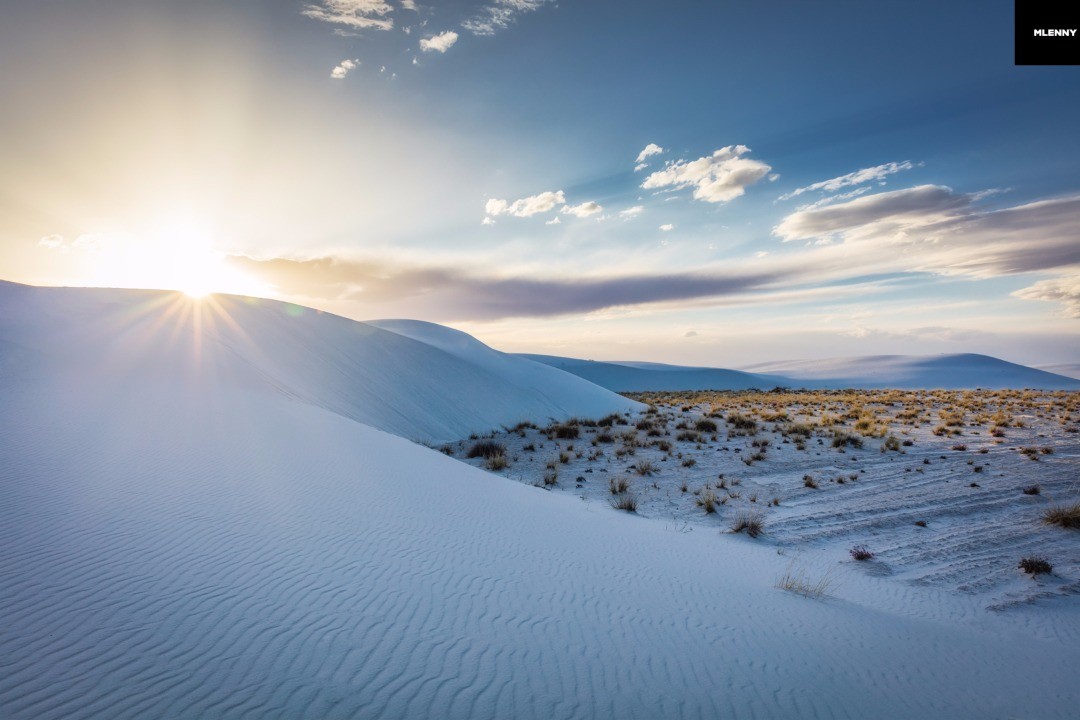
[(52, 242), (439, 43), (487, 221), (499, 14), (632, 212), (896, 210), (667, 227), (554, 221), (408, 5), (650, 150), (343, 69), (528, 206), (640, 166), (690, 334), (352, 13), (832, 199), (761, 253), (1065, 290), (878, 172), (585, 209), (720, 177)]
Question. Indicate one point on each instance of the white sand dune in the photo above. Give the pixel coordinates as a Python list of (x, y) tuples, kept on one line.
[(376, 377), (639, 377), (947, 372), (193, 529)]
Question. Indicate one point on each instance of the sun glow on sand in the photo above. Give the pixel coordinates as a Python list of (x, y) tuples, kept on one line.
[(180, 256)]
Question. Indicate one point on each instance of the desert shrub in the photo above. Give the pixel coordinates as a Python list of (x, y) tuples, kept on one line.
[(688, 436), (1032, 490), (752, 522), (705, 426), (689, 462), (796, 579), (891, 443), (529, 448), (959, 447), (707, 500), (1067, 516), (840, 439), (646, 467), (551, 478), (644, 425), (809, 481), (486, 449), (859, 552), (741, 422), (564, 458), (496, 462), (566, 431), (447, 450), (618, 485), (605, 437), (1035, 565), (627, 502)]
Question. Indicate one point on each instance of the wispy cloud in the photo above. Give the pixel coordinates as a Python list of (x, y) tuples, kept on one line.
[(343, 69), (650, 150), (585, 209), (632, 211), (667, 227), (897, 209), (527, 206), (500, 14), (720, 177), (1065, 290), (448, 294), (876, 173), (439, 43), (359, 14)]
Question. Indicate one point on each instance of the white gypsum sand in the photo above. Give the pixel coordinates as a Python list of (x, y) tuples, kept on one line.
[(192, 531)]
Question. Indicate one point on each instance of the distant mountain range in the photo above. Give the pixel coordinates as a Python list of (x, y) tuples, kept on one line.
[(959, 371)]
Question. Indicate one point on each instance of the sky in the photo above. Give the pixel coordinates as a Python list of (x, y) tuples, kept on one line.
[(706, 183)]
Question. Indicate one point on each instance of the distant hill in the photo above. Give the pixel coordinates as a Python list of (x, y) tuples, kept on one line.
[(961, 371)]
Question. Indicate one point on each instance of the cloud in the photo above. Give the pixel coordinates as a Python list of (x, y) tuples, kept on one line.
[(640, 166), (487, 221), (450, 294), (667, 227), (1065, 290), (932, 229), (439, 43), (528, 206), (52, 242), (833, 199), (554, 221), (357, 14), (650, 150), (632, 211), (878, 172), (720, 177), (499, 14), (897, 209), (585, 209), (343, 69), (408, 5), (690, 334)]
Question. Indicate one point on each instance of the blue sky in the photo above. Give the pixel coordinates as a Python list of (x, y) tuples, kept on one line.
[(829, 178)]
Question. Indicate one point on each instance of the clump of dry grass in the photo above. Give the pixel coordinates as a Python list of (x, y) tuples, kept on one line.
[(1067, 516), (797, 579), (646, 467), (752, 522), (618, 485), (627, 502), (707, 500), (496, 462), (486, 449), (1036, 565)]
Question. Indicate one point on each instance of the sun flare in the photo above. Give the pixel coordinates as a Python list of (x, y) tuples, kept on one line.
[(179, 255)]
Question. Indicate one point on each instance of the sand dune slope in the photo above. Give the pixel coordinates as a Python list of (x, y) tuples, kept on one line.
[(197, 539), (380, 378)]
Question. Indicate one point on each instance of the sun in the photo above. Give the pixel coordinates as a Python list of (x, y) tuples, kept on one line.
[(174, 255)]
